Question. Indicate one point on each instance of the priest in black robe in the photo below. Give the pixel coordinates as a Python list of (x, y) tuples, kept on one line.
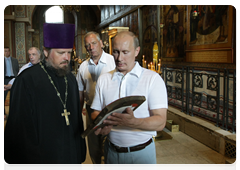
[(45, 120)]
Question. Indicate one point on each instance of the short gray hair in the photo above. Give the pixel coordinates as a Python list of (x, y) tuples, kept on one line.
[(92, 32), (38, 51)]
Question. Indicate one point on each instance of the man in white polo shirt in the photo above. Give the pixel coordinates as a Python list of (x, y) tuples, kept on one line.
[(88, 73), (130, 134)]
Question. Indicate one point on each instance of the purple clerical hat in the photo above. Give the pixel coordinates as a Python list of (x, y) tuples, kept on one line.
[(58, 35)]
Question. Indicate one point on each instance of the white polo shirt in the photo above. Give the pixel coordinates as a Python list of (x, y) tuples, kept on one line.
[(139, 81), (89, 72)]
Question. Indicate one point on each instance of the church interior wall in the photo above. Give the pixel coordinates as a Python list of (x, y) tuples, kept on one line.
[(25, 29)]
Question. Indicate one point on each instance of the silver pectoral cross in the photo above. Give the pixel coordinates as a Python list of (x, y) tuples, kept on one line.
[(66, 116)]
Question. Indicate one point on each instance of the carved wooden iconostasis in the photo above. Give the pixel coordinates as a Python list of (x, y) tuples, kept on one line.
[(173, 32), (149, 27), (209, 34), (107, 36), (149, 37)]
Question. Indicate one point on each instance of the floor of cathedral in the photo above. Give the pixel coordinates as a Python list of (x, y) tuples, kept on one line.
[(181, 149)]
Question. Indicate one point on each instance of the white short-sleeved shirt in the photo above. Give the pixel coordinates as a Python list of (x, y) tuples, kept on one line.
[(89, 72), (139, 81), (22, 68)]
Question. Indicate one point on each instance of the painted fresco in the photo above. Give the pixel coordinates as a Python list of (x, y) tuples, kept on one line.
[(209, 34), (210, 25), (173, 31)]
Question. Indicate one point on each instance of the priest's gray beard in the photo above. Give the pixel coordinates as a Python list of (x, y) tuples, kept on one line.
[(59, 71)]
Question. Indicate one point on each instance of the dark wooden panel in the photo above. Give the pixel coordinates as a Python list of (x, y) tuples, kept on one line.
[(106, 11), (111, 10), (118, 15), (126, 21), (102, 13), (117, 8), (7, 34)]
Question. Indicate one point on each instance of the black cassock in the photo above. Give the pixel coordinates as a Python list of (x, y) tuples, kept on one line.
[(36, 132)]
